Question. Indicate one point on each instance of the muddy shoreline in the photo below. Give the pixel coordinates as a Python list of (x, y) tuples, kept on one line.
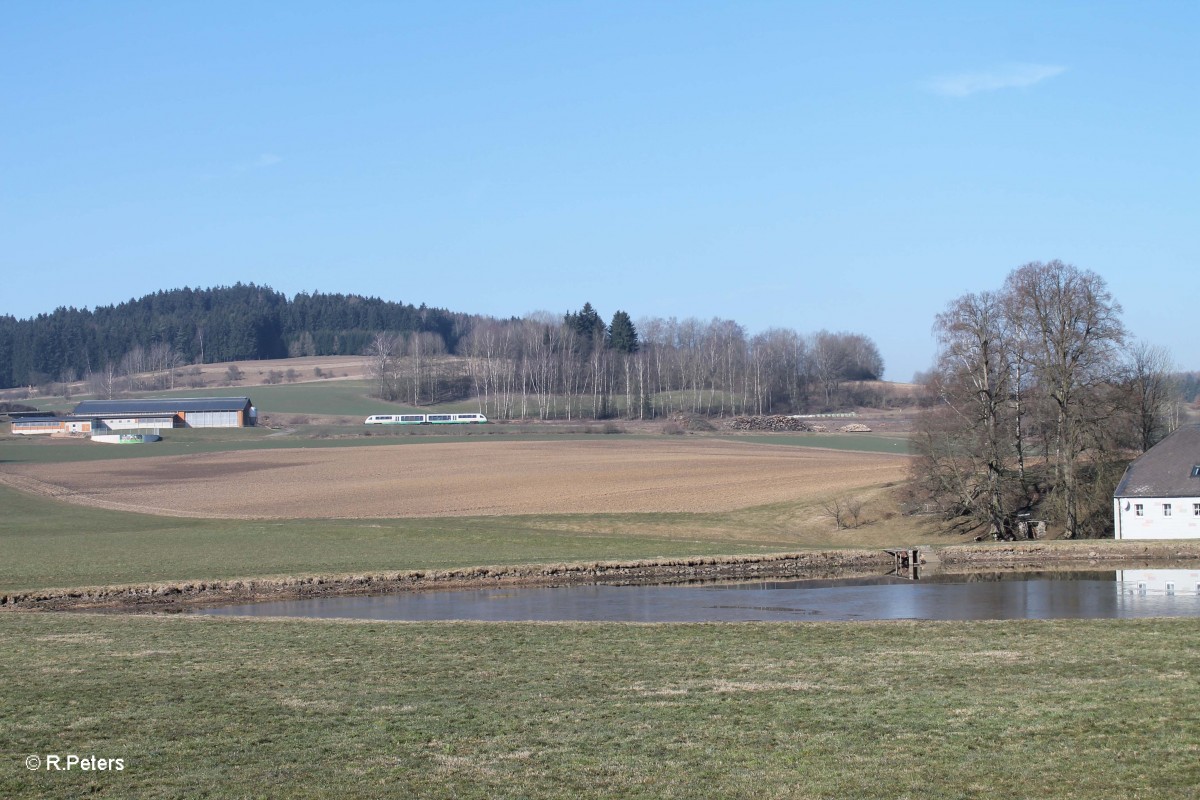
[(817, 564)]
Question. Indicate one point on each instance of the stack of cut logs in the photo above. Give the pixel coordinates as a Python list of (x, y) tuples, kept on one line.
[(777, 422), (691, 422), (856, 427)]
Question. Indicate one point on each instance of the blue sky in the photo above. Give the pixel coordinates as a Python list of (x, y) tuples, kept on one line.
[(848, 166)]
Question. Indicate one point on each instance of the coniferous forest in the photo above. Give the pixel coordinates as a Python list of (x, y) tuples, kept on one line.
[(191, 326)]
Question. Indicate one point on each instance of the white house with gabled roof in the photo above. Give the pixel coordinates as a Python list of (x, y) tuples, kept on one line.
[(1159, 496)]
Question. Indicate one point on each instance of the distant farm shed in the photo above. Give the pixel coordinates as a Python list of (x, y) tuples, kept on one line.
[(1159, 496), (179, 412), (102, 416), (29, 424)]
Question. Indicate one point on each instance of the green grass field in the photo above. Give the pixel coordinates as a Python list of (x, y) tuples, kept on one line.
[(237, 708), (340, 398), (327, 398), (184, 441), (335, 398), (352, 398), (50, 544), (855, 442)]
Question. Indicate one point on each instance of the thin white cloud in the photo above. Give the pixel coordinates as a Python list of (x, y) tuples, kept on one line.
[(1009, 76)]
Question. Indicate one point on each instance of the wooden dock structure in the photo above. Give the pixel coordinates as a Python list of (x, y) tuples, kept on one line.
[(906, 560)]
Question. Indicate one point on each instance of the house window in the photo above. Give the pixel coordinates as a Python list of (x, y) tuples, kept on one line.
[(1166, 509), (1139, 510), (1196, 471), (1196, 509)]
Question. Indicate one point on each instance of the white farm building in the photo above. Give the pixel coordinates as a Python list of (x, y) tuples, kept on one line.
[(98, 417), (1159, 496)]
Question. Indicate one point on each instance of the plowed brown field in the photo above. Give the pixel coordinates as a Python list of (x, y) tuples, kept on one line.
[(463, 479)]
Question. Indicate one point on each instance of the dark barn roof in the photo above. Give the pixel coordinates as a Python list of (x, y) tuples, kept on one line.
[(168, 406), (1165, 470)]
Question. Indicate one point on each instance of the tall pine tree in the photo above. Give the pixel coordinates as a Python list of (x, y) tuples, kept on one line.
[(622, 335)]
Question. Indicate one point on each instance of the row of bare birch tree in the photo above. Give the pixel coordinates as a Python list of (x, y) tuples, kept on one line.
[(577, 367), (542, 367), (1041, 397), (153, 367)]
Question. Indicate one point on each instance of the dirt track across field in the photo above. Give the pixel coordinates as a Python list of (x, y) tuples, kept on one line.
[(462, 479)]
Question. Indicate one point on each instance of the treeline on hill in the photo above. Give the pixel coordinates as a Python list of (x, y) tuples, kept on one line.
[(191, 326), (578, 366), (546, 366), (1040, 399)]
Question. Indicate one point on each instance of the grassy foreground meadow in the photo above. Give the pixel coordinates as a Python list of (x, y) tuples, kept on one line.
[(49, 544), (276, 708)]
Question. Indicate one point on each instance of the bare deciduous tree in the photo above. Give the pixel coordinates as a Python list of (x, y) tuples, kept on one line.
[(1152, 395), (132, 365), (1074, 324), (846, 511), (104, 383), (381, 368), (973, 381), (163, 361), (1037, 362)]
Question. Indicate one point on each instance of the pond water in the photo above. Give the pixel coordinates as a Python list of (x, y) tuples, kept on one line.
[(1107, 594)]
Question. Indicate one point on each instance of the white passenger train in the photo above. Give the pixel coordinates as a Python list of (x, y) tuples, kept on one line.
[(424, 419)]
